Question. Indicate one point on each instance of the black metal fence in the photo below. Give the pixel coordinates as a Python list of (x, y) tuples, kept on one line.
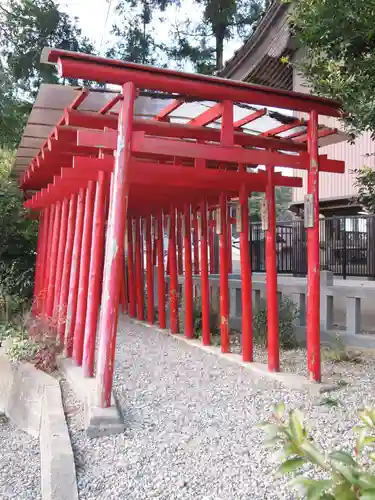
[(347, 246)]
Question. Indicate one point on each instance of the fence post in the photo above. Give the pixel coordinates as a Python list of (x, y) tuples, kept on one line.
[(353, 315), (344, 256)]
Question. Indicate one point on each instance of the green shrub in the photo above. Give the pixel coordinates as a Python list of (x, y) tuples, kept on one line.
[(288, 313), (35, 340), (22, 349), (346, 477)]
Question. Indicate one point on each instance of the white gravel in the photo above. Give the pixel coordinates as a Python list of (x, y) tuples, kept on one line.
[(19, 464), (190, 425)]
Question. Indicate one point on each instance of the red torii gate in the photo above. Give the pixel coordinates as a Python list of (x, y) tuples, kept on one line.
[(104, 166)]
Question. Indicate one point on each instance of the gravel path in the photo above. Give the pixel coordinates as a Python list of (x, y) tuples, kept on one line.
[(19, 464), (190, 425), (339, 364)]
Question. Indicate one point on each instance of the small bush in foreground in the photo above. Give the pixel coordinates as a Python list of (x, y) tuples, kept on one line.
[(347, 476)]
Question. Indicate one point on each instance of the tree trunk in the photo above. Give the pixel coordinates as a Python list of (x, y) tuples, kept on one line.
[(219, 49)]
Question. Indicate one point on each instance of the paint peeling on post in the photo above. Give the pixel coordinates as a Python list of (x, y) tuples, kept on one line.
[(114, 249), (313, 255)]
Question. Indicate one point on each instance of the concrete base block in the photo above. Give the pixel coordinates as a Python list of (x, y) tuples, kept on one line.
[(98, 421), (102, 421), (58, 473), (32, 401), (22, 393)]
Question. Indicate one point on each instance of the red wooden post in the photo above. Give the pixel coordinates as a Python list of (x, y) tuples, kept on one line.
[(114, 242), (64, 294), (180, 269), (96, 272), (154, 250), (39, 263), (43, 269), (60, 257), (84, 269), (47, 257), (173, 279), (205, 286), (226, 139), (139, 282), (230, 253), (211, 242), (149, 271), (195, 241), (189, 327), (131, 270), (224, 281), (124, 287), (142, 253), (313, 256), (246, 281), (271, 277), (161, 279), (53, 260), (74, 274)]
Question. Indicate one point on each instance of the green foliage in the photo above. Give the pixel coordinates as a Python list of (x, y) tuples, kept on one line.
[(198, 43), (22, 349), (283, 198), (198, 319), (345, 477), (135, 33), (339, 39), (18, 236), (13, 114), (329, 401), (288, 313), (228, 18), (365, 184), (26, 28), (33, 339)]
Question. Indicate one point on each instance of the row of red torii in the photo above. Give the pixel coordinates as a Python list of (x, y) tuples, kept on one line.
[(138, 177)]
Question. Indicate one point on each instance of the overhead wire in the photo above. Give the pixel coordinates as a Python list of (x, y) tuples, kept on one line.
[(105, 26)]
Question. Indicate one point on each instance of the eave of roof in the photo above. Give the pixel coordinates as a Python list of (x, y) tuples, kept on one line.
[(275, 10)]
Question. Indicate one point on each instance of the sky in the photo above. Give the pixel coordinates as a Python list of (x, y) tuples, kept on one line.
[(96, 17)]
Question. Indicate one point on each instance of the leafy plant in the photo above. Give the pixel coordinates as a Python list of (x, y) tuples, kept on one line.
[(18, 236), (346, 478), (288, 313), (329, 401), (365, 183), (338, 41), (34, 340), (22, 349)]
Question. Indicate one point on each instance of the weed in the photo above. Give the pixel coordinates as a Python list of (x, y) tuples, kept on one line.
[(342, 383), (330, 402), (339, 353)]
